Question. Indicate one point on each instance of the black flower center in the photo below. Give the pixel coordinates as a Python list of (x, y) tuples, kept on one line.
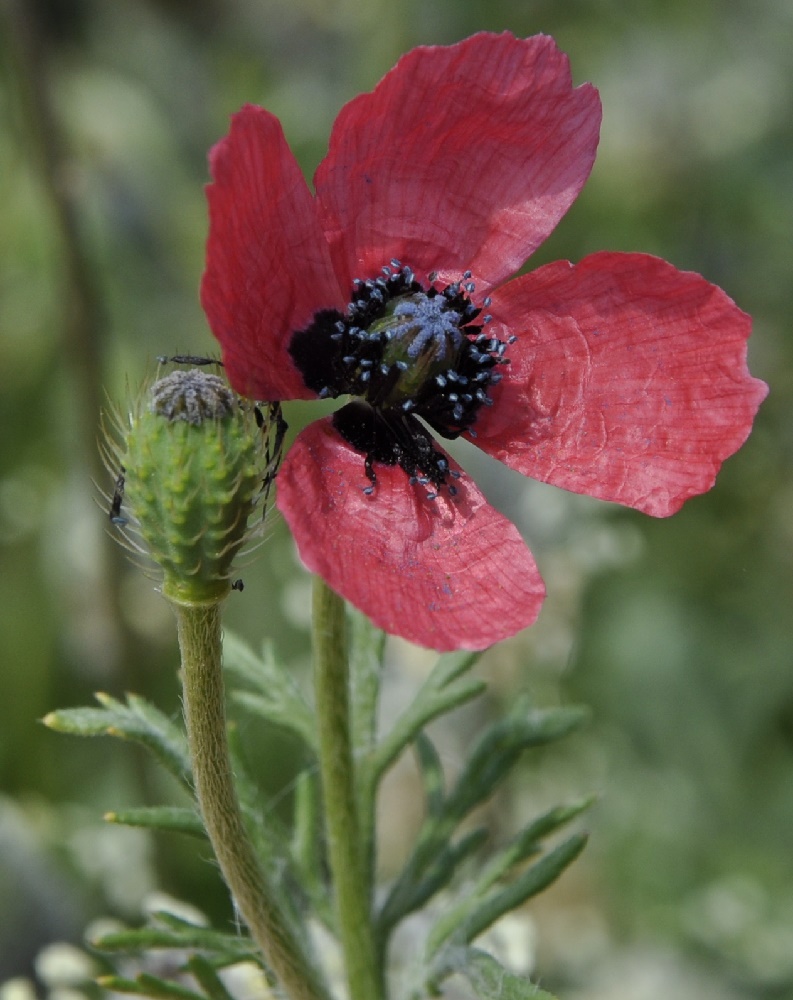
[(405, 350)]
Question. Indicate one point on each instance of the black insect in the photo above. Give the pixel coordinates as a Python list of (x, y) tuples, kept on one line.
[(238, 585), (115, 515), (273, 449)]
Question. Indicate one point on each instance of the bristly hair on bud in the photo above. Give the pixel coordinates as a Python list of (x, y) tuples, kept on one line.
[(191, 464)]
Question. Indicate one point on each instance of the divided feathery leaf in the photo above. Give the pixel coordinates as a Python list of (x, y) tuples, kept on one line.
[(208, 979), (367, 652), (167, 931), (175, 819), (442, 691), (521, 847), (488, 978), (275, 696), (468, 921), (489, 762), (306, 841), (525, 844), (146, 985), (265, 829), (429, 762), (198, 966), (499, 747), (138, 721), (413, 895)]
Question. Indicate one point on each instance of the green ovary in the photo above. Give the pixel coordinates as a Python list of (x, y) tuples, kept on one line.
[(191, 489)]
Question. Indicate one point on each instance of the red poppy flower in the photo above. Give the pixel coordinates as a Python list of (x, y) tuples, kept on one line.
[(619, 377)]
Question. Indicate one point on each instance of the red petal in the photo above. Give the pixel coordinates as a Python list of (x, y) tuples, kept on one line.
[(462, 157), (268, 268), (628, 380), (445, 573)]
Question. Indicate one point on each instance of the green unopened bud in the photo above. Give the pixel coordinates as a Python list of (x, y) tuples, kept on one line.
[(192, 467)]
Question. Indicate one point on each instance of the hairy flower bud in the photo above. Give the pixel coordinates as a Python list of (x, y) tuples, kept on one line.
[(192, 465)]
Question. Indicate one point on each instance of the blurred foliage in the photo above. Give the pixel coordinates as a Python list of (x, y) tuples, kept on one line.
[(677, 633)]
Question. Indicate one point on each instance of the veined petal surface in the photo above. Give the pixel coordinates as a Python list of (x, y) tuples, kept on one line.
[(268, 269), (462, 157), (449, 573), (628, 381)]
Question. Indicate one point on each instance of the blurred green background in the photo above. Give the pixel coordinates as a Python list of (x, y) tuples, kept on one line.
[(677, 633)]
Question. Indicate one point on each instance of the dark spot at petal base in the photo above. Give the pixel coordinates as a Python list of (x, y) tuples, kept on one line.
[(406, 351)]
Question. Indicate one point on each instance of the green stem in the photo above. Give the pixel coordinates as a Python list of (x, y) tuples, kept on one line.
[(366, 669), (205, 716), (348, 862)]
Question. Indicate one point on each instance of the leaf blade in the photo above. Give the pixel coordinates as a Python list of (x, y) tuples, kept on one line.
[(137, 721), (175, 819)]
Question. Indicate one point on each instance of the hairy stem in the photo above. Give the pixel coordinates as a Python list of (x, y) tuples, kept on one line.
[(349, 863), (205, 716)]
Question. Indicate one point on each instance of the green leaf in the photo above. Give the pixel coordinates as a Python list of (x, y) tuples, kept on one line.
[(137, 721), (489, 762), (526, 843), (367, 651), (488, 978), (306, 840), (411, 889), (279, 713), (536, 878), (441, 692), (149, 986), (167, 931), (433, 839), (411, 895), (251, 796), (499, 747), (172, 818), (431, 774), (306, 837), (276, 695), (266, 829), (208, 979)]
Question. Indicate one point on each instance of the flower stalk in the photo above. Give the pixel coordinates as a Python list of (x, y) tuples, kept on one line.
[(349, 861), (205, 717)]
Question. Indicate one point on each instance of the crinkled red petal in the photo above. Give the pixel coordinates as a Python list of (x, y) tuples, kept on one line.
[(449, 573), (628, 381), (267, 269), (464, 156)]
